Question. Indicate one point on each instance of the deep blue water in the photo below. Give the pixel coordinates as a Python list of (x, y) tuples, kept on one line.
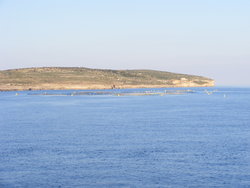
[(190, 140)]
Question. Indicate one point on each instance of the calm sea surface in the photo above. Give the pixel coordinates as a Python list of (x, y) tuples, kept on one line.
[(190, 140)]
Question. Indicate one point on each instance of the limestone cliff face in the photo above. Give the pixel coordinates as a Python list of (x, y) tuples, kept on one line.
[(56, 78), (193, 83)]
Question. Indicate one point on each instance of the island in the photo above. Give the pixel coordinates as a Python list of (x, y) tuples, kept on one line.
[(79, 78)]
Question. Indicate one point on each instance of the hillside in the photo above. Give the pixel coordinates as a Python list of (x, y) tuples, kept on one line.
[(57, 78)]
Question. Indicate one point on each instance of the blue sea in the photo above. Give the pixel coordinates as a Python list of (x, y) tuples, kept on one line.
[(194, 139)]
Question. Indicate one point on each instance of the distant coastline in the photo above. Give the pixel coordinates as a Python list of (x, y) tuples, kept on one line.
[(64, 78)]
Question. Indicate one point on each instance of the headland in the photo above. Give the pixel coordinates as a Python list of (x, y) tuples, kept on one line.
[(78, 78)]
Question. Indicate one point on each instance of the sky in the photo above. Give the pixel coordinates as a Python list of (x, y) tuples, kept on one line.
[(209, 37)]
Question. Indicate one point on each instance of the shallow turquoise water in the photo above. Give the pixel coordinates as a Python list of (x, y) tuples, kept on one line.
[(190, 140)]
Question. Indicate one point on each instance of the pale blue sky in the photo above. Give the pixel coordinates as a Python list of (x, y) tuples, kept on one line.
[(202, 37)]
